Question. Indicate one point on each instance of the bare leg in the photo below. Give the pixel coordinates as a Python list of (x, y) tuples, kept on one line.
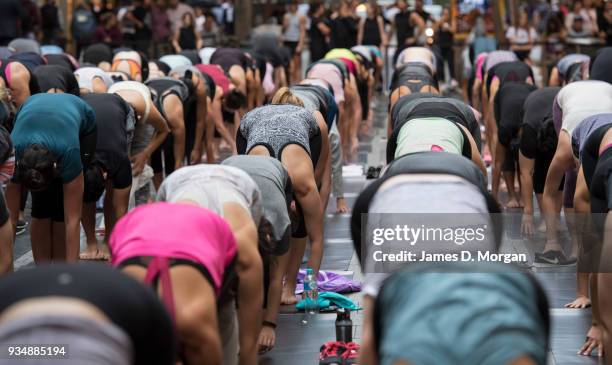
[(59, 242), (88, 220), (296, 253), (41, 234)]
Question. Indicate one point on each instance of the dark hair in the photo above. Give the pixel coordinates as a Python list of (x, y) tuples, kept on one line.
[(235, 100), (94, 182), (37, 167)]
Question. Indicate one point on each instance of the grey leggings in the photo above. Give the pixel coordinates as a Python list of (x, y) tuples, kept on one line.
[(336, 161)]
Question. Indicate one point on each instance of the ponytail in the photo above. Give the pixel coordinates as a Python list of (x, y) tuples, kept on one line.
[(285, 96)]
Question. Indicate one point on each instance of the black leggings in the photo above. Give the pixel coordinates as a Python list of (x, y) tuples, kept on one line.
[(168, 157), (127, 303)]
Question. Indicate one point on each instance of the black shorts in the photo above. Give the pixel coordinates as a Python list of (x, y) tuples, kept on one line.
[(4, 213), (49, 203), (292, 46)]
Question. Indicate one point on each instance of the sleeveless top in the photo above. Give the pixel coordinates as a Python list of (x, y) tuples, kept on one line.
[(276, 126)]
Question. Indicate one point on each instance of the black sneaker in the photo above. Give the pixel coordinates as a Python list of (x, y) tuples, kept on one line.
[(553, 258), (21, 227)]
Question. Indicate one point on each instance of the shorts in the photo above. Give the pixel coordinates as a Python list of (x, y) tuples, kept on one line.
[(49, 203), (292, 46), (601, 191)]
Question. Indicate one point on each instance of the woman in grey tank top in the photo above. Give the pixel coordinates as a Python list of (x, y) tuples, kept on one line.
[(299, 139)]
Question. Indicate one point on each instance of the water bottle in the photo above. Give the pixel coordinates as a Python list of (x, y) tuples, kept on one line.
[(344, 326), (311, 296)]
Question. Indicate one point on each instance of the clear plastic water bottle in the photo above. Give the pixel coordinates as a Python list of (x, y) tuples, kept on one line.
[(311, 297)]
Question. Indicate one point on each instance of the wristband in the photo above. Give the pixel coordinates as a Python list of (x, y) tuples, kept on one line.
[(269, 324)]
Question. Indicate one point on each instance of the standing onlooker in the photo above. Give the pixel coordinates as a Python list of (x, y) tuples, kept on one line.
[(605, 31), (294, 27), (554, 34), (522, 36), (98, 8), (142, 34), (418, 8), (319, 31), (108, 32), (445, 29), (591, 14), (31, 23), (83, 26), (407, 26), (186, 36), (578, 23), (160, 24), (372, 28), (227, 10), (210, 31), (344, 27), (200, 19), (11, 12), (175, 12), (50, 22)]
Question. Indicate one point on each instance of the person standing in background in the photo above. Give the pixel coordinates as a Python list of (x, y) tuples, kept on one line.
[(186, 37), (605, 24), (407, 26), (319, 31), (445, 29), (50, 23), (522, 36), (83, 26), (142, 35), (418, 8), (175, 12), (160, 24), (11, 12), (372, 28), (108, 32), (579, 23), (210, 31), (227, 9), (294, 27), (344, 27), (30, 24)]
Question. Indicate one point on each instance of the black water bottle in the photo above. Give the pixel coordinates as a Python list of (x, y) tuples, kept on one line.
[(344, 325)]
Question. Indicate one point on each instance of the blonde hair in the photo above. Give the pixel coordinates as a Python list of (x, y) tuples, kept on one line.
[(285, 96), (5, 97)]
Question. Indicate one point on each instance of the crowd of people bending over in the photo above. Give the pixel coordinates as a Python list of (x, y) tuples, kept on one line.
[(220, 240)]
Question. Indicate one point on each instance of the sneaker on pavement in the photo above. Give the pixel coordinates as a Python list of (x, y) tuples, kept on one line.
[(21, 227), (553, 257), (350, 354), (331, 353)]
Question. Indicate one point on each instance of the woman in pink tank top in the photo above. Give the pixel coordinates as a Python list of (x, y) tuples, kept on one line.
[(191, 251)]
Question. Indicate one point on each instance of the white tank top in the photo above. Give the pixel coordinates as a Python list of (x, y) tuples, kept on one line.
[(292, 33), (581, 99)]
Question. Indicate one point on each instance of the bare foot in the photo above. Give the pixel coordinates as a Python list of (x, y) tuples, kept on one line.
[(267, 339), (288, 296), (512, 204), (592, 342), (90, 253), (341, 206), (579, 303), (103, 253)]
